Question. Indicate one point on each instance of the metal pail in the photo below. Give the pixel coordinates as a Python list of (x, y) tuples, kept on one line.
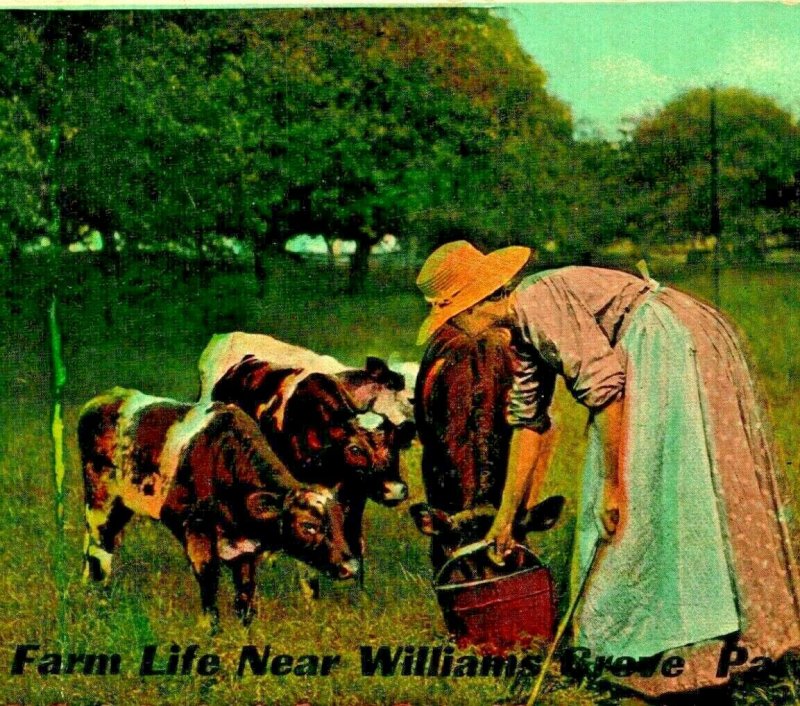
[(502, 612)]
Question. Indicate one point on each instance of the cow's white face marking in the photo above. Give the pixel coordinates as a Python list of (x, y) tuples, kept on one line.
[(228, 550), (394, 491), (395, 405)]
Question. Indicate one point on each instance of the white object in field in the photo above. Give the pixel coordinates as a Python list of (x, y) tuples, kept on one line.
[(307, 245), (91, 242)]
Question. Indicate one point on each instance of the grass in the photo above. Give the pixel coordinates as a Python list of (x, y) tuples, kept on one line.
[(146, 330)]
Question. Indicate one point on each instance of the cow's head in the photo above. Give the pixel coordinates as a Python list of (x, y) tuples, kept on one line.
[(311, 522), (451, 531), (377, 388), (332, 446), (383, 482)]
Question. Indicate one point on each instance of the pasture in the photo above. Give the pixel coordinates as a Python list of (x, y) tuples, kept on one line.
[(146, 329)]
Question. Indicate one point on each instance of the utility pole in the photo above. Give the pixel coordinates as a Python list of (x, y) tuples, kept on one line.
[(716, 223)]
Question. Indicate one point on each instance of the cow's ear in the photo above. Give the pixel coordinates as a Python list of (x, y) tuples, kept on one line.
[(404, 434), (377, 369), (543, 516), (313, 440), (429, 520), (263, 505)]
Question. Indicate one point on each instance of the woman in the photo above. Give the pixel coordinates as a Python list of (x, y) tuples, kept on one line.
[(679, 485)]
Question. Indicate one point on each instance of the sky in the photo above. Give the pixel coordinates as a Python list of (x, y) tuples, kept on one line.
[(609, 61)]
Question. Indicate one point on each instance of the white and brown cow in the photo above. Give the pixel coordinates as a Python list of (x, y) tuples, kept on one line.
[(310, 408), (374, 388), (211, 478)]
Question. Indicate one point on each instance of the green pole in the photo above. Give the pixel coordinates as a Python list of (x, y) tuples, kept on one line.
[(57, 431)]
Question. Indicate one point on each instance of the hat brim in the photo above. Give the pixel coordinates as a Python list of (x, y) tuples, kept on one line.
[(498, 268)]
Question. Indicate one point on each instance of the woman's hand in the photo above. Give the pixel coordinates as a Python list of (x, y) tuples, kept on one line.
[(610, 516), (527, 466), (501, 542), (612, 506)]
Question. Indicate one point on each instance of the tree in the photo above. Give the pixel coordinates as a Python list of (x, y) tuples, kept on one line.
[(177, 127), (668, 156), (429, 121), (22, 215)]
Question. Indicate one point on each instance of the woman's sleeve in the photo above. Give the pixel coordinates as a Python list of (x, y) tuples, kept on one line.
[(533, 385), (568, 338)]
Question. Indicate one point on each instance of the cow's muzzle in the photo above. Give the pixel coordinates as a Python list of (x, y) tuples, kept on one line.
[(349, 569), (392, 492)]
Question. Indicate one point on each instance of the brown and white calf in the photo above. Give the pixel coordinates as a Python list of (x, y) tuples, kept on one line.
[(211, 478), (374, 388), (328, 423)]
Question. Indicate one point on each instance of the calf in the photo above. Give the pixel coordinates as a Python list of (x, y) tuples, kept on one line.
[(453, 531), (208, 474), (310, 422), (461, 393), (373, 388), (312, 429)]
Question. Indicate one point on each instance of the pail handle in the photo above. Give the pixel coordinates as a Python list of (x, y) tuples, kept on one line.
[(468, 549)]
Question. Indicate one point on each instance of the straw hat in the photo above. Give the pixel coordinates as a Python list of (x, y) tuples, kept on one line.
[(458, 275)]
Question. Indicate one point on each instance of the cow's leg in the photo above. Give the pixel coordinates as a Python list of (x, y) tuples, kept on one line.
[(354, 531), (308, 579), (244, 582), (104, 526), (201, 550)]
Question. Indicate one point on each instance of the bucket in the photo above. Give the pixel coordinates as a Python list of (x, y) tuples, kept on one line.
[(502, 612)]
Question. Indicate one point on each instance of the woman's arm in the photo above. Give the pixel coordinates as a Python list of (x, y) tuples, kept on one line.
[(528, 463), (527, 468), (611, 425)]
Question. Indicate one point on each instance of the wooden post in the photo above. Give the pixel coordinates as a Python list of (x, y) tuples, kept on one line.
[(716, 223)]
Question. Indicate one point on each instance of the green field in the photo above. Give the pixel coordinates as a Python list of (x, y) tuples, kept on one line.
[(146, 330)]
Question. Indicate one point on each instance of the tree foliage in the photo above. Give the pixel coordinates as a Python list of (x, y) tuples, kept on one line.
[(669, 165), (177, 126)]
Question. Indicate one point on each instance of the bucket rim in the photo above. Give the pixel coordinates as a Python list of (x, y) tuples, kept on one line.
[(481, 582)]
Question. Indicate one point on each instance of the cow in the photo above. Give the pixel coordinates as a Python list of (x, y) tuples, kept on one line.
[(207, 473), (328, 423), (310, 423), (456, 530), (461, 392), (374, 388)]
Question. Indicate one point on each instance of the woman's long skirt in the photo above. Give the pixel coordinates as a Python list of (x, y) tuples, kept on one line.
[(703, 559)]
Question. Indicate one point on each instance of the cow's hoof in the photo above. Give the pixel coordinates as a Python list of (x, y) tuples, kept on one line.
[(209, 621), (309, 588), (244, 612)]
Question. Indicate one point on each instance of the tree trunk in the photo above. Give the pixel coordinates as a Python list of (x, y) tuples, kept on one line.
[(112, 267), (359, 267), (260, 267)]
